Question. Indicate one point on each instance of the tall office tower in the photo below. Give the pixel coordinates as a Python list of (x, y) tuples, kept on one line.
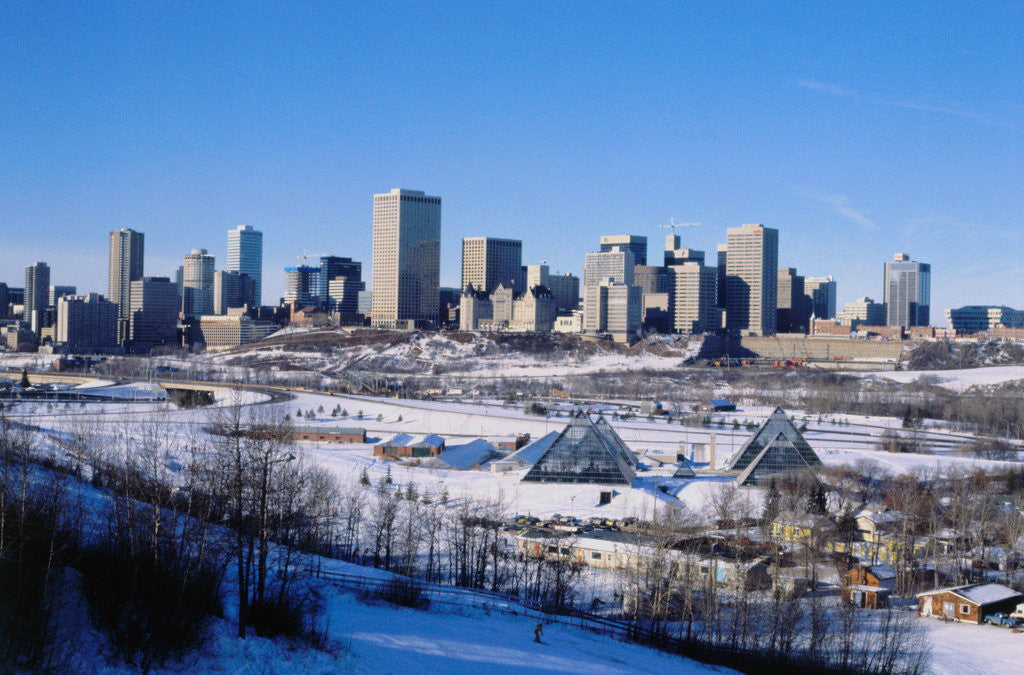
[(153, 315), (614, 308), (792, 305), (227, 291), (752, 279), (179, 284), (617, 265), (626, 242), (300, 285), (723, 285), (821, 296), (86, 323), (197, 280), (606, 269), (57, 292), (908, 291), (487, 262), (245, 256), (5, 300), (332, 267), (125, 265), (37, 294), (406, 258), (692, 295)]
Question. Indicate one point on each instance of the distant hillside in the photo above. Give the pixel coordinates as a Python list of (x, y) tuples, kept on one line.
[(956, 355), (335, 352)]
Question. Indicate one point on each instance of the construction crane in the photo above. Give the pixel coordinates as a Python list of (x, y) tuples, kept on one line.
[(305, 255), (672, 225)]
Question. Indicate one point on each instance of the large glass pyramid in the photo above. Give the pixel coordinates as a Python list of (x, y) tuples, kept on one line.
[(776, 447), (609, 433), (583, 453)]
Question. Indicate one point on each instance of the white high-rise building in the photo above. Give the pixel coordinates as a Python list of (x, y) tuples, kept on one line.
[(245, 256), (406, 258), (692, 297), (125, 266), (752, 264), (197, 280)]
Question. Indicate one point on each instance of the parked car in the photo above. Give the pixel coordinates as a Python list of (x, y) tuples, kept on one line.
[(1002, 619)]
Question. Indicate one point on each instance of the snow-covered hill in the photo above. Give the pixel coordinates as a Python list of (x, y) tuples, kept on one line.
[(497, 354)]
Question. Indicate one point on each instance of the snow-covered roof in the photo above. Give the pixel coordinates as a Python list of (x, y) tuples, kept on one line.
[(464, 456), (982, 594), (398, 440), (882, 572), (531, 452), (407, 440)]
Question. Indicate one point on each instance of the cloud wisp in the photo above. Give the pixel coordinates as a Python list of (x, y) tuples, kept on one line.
[(907, 104), (840, 204)]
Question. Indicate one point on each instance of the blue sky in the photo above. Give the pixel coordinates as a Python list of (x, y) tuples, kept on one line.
[(856, 129)]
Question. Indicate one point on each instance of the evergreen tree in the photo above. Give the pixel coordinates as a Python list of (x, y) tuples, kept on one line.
[(817, 501), (364, 478), (399, 418), (380, 417), (388, 480), (772, 502)]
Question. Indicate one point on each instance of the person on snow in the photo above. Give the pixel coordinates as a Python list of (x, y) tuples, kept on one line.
[(538, 632)]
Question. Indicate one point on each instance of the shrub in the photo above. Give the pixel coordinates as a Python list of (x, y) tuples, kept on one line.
[(151, 606)]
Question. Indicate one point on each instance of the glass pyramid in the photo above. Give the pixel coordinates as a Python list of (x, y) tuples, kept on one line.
[(609, 433), (777, 430), (582, 453)]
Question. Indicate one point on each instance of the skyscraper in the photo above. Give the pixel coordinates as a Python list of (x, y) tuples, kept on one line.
[(227, 289), (86, 323), (908, 291), (37, 294), (245, 256), (197, 280), (692, 297), (57, 292), (792, 307), (821, 297), (627, 242), (349, 273), (125, 266), (153, 319), (723, 264), (300, 285), (487, 262), (751, 279), (406, 258)]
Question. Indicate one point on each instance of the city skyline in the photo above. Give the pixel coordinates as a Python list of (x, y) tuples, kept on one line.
[(807, 131)]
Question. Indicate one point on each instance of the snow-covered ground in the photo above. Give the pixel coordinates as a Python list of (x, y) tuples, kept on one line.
[(956, 380)]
